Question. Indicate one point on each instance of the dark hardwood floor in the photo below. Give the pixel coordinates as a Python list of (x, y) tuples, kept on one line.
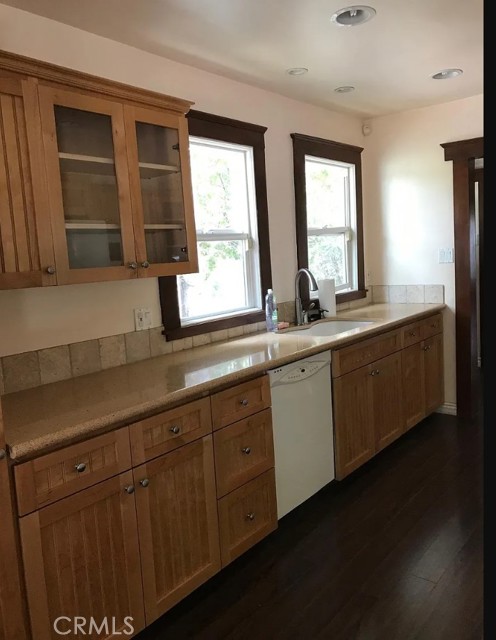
[(393, 552)]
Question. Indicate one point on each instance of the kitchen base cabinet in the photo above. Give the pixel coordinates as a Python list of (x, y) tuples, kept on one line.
[(433, 368), (387, 401), (413, 379), (247, 515), (81, 558), (178, 530), (354, 441)]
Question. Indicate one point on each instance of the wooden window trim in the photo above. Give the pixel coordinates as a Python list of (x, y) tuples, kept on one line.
[(207, 125), (309, 145)]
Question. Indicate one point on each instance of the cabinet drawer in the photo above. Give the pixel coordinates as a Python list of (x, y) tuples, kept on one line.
[(168, 430), (243, 451), (240, 401), (431, 326), (247, 515), (411, 334), (362, 353), (56, 475)]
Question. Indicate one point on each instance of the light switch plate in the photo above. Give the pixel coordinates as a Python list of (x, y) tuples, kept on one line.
[(446, 255), (142, 319)]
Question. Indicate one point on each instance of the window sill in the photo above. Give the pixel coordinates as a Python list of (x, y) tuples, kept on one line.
[(214, 325), (348, 296)]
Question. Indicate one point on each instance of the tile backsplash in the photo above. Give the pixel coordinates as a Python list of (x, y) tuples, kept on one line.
[(34, 368)]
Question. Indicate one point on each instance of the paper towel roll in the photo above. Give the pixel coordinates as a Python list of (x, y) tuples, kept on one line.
[(327, 296)]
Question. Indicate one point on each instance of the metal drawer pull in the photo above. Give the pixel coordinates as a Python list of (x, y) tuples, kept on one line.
[(145, 482), (175, 429), (427, 348), (145, 264), (246, 450), (244, 402), (133, 265), (374, 372), (129, 489), (51, 270), (80, 468), (412, 334), (250, 516)]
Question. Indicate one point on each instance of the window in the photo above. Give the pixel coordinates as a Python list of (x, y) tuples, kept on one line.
[(230, 204), (328, 197)]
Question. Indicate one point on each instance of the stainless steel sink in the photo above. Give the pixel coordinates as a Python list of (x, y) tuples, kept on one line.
[(330, 327)]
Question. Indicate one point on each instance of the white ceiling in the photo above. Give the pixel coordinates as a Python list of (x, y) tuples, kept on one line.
[(388, 60)]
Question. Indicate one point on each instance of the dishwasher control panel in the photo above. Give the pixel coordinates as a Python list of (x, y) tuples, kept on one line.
[(297, 372)]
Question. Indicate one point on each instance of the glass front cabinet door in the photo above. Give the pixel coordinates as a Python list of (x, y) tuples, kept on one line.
[(120, 208), (158, 156)]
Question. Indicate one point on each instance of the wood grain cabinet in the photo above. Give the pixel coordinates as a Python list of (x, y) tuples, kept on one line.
[(11, 610), (25, 234), (95, 180), (177, 520), (81, 558), (375, 404)]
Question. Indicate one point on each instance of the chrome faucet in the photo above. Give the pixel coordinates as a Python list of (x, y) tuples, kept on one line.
[(313, 287)]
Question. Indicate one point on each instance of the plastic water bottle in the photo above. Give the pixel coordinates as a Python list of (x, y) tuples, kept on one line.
[(270, 311)]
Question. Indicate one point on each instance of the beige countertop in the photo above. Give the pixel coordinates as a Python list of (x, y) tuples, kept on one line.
[(44, 418)]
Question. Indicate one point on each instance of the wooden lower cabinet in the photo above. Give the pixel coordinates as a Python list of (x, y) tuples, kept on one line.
[(178, 528), (423, 381), (353, 420), (81, 558), (247, 515), (11, 610), (368, 412), (386, 400)]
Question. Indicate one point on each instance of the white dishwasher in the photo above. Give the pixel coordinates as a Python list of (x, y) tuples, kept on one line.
[(303, 429)]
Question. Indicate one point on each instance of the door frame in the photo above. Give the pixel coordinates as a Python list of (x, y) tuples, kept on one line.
[(463, 154)]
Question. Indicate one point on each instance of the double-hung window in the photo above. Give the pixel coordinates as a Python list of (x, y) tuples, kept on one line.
[(329, 213), (229, 192)]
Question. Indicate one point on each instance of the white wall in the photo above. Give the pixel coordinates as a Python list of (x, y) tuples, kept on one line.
[(408, 201), (32, 319)]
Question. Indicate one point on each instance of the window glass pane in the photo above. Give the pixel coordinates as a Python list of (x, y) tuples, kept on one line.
[(327, 187), (220, 286), (219, 175), (327, 257)]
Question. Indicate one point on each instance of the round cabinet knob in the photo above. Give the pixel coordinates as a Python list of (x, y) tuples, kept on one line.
[(375, 372), (246, 450), (244, 402), (250, 516), (175, 429), (129, 489), (427, 347), (133, 265), (51, 270), (145, 482), (80, 468), (412, 334), (3, 454), (145, 264)]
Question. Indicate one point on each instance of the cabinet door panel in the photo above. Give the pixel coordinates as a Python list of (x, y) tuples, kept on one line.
[(387, 403), (158, 152), (11, 612), (25, 246), (178, 526), (412, 362), (353, 421), (434, 373), (88, 185), (81, 558)]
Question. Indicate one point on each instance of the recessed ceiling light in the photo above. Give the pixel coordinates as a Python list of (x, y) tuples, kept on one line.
[(353, 16), (345, 89), (297, 71), (446, 74)]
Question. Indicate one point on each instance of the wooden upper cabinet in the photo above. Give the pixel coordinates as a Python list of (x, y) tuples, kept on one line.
[(158, 157), (88, 184), (25, 234)]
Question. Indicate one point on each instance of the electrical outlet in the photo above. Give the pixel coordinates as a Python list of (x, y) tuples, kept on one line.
[(142, 319), (446, 255)]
